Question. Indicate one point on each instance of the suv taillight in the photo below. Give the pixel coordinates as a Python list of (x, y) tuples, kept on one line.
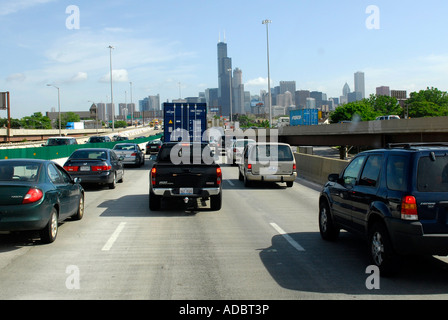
[(409, 208)]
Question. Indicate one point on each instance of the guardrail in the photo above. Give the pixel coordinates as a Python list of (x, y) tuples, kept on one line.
[(57, 152)]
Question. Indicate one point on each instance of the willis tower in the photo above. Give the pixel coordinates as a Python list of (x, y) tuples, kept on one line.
[(224, 78)]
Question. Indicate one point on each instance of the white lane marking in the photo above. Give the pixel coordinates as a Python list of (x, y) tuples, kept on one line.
[(291, 241), (113, 237), (231, 183)]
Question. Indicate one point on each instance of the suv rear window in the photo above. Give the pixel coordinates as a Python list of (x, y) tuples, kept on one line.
[(432, 174), (272, 152)]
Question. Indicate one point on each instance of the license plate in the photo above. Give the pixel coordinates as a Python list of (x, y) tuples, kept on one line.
[(185, 191), (84, 168)]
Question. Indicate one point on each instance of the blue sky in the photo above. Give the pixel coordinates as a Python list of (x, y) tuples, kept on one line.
[(159, 44)]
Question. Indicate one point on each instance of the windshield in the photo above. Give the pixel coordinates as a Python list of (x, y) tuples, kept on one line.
[(126, 147), (97, 139), (19, 171), (57, 142), (272, 152), (89, 155)]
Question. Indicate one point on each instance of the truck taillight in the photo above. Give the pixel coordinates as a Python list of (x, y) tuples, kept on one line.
[(218, 176), (409, 208), (33, 195), (249, 166), (294, 167), (153, 176)]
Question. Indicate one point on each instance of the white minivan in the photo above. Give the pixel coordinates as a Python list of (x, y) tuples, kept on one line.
[(268, 161)]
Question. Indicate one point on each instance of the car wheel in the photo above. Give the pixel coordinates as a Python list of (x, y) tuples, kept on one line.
[(327, 229), (50, 232), (80, 213), (113, 184), (382, 253), (289, 184)]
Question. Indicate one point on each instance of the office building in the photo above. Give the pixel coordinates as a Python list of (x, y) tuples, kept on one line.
[(360, 84), (383, 91), (288, 86), (224, 79), (238, 92)]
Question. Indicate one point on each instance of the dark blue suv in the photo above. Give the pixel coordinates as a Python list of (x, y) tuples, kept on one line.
[(397, 198)]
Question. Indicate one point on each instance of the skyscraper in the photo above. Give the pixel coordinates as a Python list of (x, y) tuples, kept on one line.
[(238, 92), (359, 84), (224, 79)]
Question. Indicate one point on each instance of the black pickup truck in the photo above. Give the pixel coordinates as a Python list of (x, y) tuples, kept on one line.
[(187, 171)]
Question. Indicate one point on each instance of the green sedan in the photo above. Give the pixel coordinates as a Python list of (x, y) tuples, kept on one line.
[(37, 195)]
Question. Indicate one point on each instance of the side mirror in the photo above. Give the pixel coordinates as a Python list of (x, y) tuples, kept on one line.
[(334, 177)]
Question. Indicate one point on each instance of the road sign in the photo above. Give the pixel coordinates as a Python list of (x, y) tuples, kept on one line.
[(3, 100)]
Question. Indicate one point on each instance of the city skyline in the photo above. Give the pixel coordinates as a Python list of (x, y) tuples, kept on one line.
[(164, 48)]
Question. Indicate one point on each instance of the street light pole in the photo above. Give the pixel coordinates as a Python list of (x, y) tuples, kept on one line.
[(267, 22), (112, 91), (59, 107), (132, 108)]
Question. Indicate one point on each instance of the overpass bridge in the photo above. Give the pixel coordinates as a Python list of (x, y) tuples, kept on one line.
[(376, 134)]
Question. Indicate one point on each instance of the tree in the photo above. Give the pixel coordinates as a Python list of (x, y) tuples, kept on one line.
[(36, 121), (427, 103), (67, 117), (361, 110), (385, 105)]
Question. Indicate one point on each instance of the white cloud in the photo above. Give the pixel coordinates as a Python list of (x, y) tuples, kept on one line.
[(80, 76), (13, 6), (120, 75), (20, 77)]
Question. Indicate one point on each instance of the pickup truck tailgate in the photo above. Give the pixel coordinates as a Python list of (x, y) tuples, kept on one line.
[(195, 176)]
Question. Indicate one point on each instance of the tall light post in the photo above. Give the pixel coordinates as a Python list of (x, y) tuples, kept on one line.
[(132, 108), (112, 90), (267, 22), (59, 107)]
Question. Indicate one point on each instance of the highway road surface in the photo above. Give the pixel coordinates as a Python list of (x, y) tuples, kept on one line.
[(263, 244)]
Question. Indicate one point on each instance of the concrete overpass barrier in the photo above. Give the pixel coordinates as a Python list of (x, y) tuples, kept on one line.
[(316, 168)]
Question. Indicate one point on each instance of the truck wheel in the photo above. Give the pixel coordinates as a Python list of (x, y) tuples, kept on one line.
[(155, 202), (216, 202)]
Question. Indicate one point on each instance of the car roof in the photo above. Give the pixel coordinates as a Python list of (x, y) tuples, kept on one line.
[(93, 149), (61, 138), (25, 160)]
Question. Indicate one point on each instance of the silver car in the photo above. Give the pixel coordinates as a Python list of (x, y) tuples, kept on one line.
[(131, 153), (268, 162)]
